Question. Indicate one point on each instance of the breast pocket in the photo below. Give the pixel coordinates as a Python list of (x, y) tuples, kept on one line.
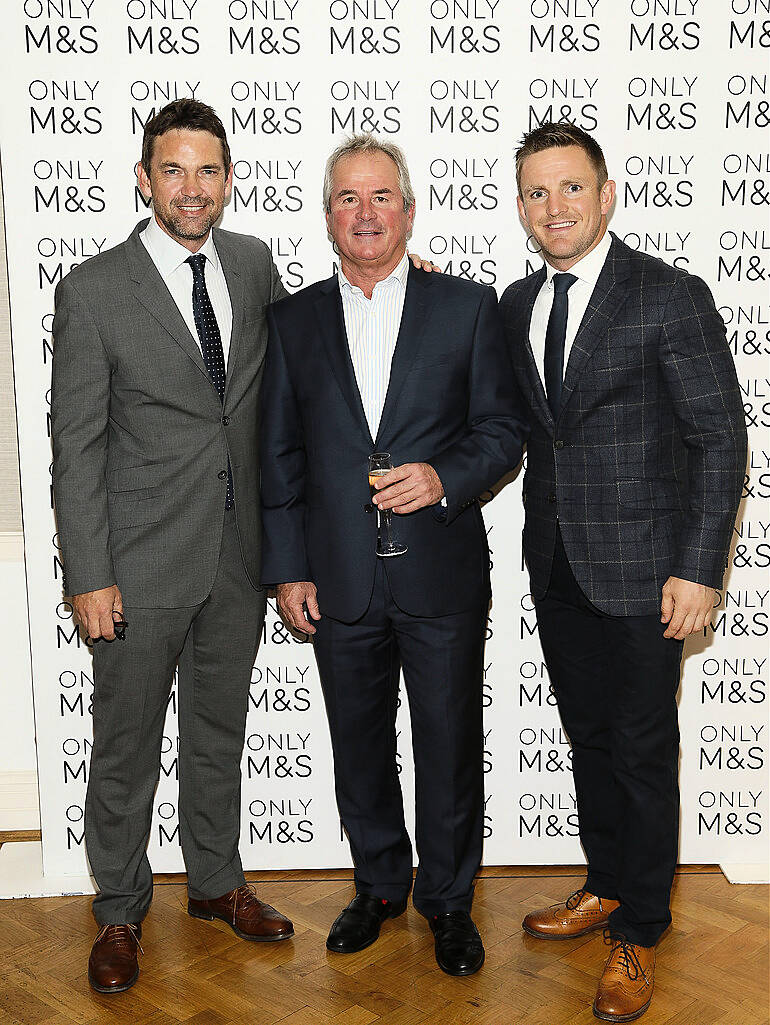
[(254, 316), (436, 360)]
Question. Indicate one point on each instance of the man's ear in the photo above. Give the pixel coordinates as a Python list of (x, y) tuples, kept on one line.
[(144, 181), (607, 195)]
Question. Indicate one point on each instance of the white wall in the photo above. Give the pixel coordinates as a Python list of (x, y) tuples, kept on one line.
[(18, 768)]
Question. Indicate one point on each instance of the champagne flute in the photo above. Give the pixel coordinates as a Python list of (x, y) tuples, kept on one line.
[(379, 464)]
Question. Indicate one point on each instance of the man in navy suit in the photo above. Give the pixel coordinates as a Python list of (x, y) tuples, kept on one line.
[(635, 463), (382, 356)]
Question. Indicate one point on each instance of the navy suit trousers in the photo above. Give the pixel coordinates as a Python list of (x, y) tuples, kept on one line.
[(615, 679), (442, 659)]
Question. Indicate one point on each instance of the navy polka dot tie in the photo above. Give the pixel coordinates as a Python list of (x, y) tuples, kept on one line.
[(211, 343)]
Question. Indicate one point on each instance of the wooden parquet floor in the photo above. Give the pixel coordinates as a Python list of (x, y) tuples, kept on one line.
[(712, 964)]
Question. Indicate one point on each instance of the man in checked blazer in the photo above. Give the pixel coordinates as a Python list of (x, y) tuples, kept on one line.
[(159, 346), (635, 461)]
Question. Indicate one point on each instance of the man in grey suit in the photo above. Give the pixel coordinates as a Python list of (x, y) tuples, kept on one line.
[(159, 345), (635, 461)]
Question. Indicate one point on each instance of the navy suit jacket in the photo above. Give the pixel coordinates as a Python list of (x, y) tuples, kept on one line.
[(451, 402), (644, 465)]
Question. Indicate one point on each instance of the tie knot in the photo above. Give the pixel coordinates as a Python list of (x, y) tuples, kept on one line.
[(198, 260), (563, 282)]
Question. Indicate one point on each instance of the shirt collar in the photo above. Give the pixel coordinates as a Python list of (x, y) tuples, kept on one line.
[(589, 267), (400, 273), (170, 254)]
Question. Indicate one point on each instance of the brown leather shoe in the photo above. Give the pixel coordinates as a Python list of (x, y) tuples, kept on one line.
[(625, 988), (113, 965), (246, 915), (579, 914)]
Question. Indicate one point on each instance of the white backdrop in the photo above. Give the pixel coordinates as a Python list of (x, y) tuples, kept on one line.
[(677, 93)]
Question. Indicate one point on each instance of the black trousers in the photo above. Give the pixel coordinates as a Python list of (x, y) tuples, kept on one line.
[(615, 680), (214, 644), (442, 660)]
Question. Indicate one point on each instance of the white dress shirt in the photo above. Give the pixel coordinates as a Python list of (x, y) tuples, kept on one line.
[(372, 327), (169, 257), (587, 271)]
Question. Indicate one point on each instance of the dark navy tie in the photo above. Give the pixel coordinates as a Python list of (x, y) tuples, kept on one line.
[(211, 343), (555, 337)]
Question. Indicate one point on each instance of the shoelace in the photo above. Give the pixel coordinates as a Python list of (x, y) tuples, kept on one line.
[(573, 900), (245, 896), (629, 961), (119, 936)]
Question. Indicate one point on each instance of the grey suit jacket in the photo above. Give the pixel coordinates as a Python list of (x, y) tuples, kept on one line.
[(140, 437), (643, 467)]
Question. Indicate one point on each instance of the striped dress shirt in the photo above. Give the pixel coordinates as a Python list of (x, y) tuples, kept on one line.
[(372, 327), (170, 257)]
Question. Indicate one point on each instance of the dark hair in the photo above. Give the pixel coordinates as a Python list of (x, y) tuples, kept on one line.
[(188, 114), (560, 133)]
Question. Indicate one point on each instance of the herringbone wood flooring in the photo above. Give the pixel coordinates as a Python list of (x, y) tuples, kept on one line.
[(712, 964)]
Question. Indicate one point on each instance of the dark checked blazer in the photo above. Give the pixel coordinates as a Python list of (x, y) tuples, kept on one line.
[(644, 465), (140, 436), (450, 402)]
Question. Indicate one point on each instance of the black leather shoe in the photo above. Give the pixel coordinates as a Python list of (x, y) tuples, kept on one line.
[(358, 925), (459, 950)]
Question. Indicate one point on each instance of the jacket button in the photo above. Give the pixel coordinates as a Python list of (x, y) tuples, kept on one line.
[(368, 507), (558, 443), (226, 421), (222, 475), (552, 498)]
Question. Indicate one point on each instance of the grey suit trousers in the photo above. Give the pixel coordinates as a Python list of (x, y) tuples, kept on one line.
[(214, 644)]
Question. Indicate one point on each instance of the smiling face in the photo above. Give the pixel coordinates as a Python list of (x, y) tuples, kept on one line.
[(188, 184), (563, 204), (366, 218)]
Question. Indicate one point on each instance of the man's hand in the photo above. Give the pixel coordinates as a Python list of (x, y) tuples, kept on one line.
[(94, 610), (685, 607), (293, 599), (421, 264), (409, 487)]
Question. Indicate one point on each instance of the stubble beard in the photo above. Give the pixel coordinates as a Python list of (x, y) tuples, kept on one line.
[(181, 227)]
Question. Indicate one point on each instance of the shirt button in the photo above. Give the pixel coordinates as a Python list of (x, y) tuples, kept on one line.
[(222, 475), (226, 421), (552, 498), (368, 507), (558, 443)]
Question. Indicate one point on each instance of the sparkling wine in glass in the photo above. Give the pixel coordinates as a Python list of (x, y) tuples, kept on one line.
[(379, 464)]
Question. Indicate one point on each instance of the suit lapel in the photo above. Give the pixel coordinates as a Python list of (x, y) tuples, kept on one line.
[(227, 253), (608, 296), (414, 317), (152, 293), (539, 400), (331, 323)]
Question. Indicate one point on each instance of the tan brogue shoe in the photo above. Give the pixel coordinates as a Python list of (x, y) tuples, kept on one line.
[(246, 915), (625, 988), (579, 914), (113, 966)]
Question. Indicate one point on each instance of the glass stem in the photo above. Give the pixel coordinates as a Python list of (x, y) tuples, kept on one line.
[(387, 515)]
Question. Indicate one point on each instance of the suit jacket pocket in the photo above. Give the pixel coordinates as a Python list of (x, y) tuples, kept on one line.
[(134, 508), (135, 478), (653, 493), (253, 315)]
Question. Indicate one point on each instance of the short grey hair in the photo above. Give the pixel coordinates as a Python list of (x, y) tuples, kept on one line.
[(365, 142)]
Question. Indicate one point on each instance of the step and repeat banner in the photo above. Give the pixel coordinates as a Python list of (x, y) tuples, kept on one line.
[(677, 93)]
